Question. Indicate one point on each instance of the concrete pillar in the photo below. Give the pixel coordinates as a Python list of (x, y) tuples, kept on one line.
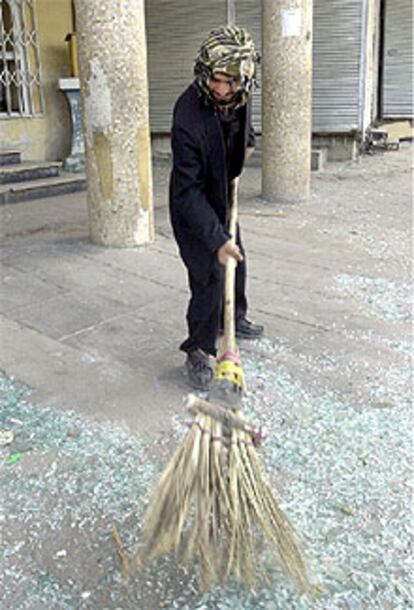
[(231, 12), (114, 95), (286, 99)]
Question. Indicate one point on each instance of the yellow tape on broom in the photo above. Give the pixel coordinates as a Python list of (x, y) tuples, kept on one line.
[(230, 371)]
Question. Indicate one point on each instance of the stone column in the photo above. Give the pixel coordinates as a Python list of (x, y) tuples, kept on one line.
[(231, 12), (114, 96), (286, 99)]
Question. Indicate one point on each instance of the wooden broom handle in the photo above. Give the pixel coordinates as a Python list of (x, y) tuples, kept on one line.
[(229, 338), (233, 204)]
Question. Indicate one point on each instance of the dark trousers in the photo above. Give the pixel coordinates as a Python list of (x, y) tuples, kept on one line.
[(204, 314)]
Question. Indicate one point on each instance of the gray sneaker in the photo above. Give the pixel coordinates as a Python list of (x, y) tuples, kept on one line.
[(199, 369)]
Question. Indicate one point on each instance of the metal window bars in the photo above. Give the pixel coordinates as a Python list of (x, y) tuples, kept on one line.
[(21, 92)]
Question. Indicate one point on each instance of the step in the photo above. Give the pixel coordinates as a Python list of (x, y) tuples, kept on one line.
[(9, 157), (30, 170), (395, 130), (38, 189)]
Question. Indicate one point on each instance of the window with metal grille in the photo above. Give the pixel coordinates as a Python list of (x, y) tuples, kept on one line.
[(21, 91)]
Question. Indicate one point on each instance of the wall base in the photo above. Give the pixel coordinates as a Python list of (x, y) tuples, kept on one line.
[(335, 147), (340, 147)]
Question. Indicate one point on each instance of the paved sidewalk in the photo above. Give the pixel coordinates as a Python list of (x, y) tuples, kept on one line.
[(94, 333), (97, 329)]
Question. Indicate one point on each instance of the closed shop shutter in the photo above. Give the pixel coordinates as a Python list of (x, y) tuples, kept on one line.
[(248, 15), (397, 85), (337, 65), (175, 29), (337, 57)]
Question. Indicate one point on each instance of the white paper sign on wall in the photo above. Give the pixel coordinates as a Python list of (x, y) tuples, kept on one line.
[(291, 22)]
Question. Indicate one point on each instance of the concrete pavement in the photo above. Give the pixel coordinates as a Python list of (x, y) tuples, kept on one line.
[(95, 333), (97, 330)]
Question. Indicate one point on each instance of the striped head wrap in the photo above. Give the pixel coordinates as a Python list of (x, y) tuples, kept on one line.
[(230, 50)]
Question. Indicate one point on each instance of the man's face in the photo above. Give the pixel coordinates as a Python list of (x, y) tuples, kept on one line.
[(223, 87)]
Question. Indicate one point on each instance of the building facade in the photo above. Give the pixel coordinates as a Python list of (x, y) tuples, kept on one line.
[(34, 117), (362, 68)]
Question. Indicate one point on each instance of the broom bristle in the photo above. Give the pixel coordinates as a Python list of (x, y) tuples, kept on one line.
[(214, 504)]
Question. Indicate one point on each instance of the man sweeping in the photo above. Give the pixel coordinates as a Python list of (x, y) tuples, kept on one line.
[(213, 504), (212, 136)]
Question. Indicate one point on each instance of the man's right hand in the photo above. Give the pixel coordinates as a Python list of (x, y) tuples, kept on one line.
[(229, 249)]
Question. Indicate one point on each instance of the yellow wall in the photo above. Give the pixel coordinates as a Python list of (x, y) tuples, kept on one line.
[(46, 137)]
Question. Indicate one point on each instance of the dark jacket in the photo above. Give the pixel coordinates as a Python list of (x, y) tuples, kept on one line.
[(199, 184)]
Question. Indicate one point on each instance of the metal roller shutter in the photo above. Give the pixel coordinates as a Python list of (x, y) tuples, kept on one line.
[(337, 65), (397, 90), (337, 42), (174, 32), (248, 15), (175, 28)]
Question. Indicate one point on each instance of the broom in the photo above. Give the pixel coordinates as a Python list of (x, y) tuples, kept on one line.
[(213, 503)]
